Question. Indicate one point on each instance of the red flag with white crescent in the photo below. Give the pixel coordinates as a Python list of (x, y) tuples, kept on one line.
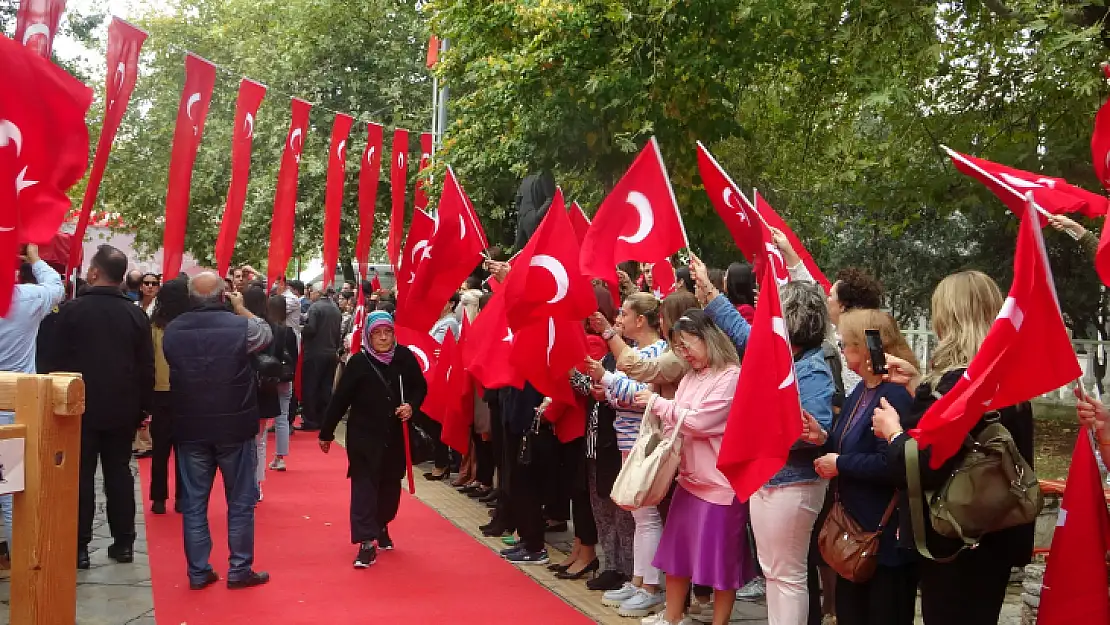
[(124, 44), (285, 197), (773, 219), (369, 173), (36, 23), (333, 199), (732, 207), (545, 351), (242, 140), (663, 279), (418, 246), (1100, 142), (638, 220), (420, 198), (44, 150), (580, 221), (200, 78), (488, 348), (423, 346), (766, 415), (398, 180)]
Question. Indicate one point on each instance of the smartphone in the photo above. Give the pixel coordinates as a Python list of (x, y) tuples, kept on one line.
[(875, 347)]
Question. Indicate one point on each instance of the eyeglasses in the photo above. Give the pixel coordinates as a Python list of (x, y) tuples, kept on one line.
[(145, 283)]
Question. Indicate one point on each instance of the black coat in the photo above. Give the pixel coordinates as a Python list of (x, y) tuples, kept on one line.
[(1013, 545), (375, 441), (609, 458), (284, 348), (105, 337)]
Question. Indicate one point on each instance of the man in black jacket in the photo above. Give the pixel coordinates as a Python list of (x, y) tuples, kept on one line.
[(320, 341), (215, 420), (105, 337)]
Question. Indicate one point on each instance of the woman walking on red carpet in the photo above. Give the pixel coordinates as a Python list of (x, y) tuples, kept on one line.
[(382, 386)]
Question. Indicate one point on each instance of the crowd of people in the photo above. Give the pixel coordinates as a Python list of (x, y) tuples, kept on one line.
[(199, 369)]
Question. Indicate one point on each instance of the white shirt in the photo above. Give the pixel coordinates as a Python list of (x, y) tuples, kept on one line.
[(19, 330)]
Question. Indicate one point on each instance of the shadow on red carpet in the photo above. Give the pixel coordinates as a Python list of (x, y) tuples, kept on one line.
[(437, 574)]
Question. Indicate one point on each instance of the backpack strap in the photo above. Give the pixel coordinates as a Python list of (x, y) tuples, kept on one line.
[(917, 508)]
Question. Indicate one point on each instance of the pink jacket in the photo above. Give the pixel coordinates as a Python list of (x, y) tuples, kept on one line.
[(705, 398)]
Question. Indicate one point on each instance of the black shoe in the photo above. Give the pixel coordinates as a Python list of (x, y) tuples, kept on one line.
[(83, 562), (385, 543), (470, 488), (608, 580), (557, 568), (493, 529), (366, 557), (209, 578), (143, 454), (158, 507), (556, 527), (432, 477), (256, 578), (493, 495), (479, 492), (124, 554), (586, 570)]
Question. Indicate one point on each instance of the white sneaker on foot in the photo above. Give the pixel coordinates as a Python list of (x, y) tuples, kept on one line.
[(614, 598), (753, 590), (643, 603), (278, 464)]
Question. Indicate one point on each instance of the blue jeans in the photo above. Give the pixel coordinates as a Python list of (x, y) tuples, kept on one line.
[(283, 424), (237, 463)]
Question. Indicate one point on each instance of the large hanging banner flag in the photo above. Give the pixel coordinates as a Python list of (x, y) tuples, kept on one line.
[(44, 150), (398, 179), (124, 44), (246, 109), (36, 23), (420, 199), (285, 198), (333, 199), (369, 174), (200, 78)]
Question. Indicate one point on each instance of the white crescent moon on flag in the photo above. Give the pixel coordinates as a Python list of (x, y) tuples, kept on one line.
[(774, 252), (778, 325), (462, 228), (36, 29), (370, 155), (425, 364), (642, 205), (401, 160), (339, 150), (120, 69), (248, 123), (424, 158), (193, 99), (726, 196), (10, 134), (416, 248), (435, 223), (550, 338), (557, 271)]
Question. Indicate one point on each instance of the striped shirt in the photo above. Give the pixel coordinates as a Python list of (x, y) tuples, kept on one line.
[(620, 391)]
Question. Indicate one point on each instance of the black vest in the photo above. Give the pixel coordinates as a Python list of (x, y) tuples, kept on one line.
[(211, 377)]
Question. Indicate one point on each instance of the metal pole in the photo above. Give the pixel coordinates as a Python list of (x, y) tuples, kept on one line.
[(443, 94)]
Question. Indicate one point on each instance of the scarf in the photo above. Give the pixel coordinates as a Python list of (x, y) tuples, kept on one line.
[(377, 319)]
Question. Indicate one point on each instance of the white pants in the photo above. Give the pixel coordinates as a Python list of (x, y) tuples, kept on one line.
[(649, 529), (260, 447), (782, 522)]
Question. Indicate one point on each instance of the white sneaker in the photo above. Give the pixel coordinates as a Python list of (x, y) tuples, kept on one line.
[(278, 464), (643, 603), (753, 590), (260, 492), (614, 598), (661, 619)]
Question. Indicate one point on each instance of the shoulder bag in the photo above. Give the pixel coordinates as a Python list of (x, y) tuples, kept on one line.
[(648, 472), (421, 445), (846, 547)]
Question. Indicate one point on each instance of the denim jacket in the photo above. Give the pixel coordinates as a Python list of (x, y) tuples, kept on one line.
[(815, 386)]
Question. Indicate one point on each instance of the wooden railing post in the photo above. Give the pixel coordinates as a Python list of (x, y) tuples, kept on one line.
[(48, 411)]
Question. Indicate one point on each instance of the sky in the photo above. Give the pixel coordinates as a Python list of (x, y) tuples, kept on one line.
[(126, 9)]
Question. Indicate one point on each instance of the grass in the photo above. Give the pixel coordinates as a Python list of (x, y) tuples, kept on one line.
[(1056, 428)]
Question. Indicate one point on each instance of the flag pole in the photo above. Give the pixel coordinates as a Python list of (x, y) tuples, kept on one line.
[(408, 448), (960, 157), (755, 207)]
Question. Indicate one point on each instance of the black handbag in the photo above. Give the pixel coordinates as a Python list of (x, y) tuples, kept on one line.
[(421, 445), (528, 442)]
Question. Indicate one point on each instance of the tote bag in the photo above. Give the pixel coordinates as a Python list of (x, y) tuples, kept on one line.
[(648, 472)]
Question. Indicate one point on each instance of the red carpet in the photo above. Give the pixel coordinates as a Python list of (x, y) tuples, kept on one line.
[(438, 574)]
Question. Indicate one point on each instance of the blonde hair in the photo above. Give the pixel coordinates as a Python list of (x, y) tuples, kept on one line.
[(855, 322), (646, 305), (720, 352), (965, 305)]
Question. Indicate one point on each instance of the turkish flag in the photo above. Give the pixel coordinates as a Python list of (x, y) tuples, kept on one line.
[(1028, 329), (663, 279), (242, 139), (1100, 145), (733, 208), (439, 402), (638, 220), (474, 222), (547, 281), (36, 23), (333, 200), (420, 199), (580, 221), (488, 349), (417, 248), (285, 197), (200, 78), (375, 283), (766, 415), (772, 219), (1054, 195), (1075, 580), (459, 418), (453, 253), (398, 180), (357, 320), (545, 351), (369, 173), (124, 43), (423, 346)]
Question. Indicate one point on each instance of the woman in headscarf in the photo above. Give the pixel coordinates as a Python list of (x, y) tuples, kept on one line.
[(382, 386)]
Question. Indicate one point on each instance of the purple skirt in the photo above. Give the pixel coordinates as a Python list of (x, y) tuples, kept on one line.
[(705, 542)]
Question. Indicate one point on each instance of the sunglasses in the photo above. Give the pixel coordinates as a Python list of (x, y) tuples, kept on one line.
[(145, 283)]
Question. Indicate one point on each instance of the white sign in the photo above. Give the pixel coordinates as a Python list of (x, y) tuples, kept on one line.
[(12, 467)]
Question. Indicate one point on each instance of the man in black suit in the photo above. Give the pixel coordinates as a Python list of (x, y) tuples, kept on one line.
[(105, 337)]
